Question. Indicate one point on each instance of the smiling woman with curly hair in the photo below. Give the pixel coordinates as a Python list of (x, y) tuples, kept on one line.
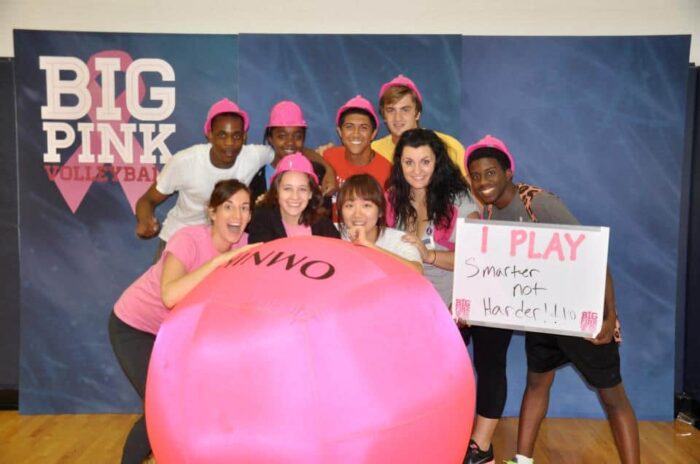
[(427, 193)]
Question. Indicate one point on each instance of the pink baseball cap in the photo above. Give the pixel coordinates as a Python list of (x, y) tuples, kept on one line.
[(403, 81), (489, 142), (224, 106), (359, 102), (286, 114), (295, 162)]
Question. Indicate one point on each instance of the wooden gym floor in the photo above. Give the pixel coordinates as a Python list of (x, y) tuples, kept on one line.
[(98, 438)]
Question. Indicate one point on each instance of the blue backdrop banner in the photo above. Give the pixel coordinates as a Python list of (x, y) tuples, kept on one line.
[(144, 95), (599, 121), (322, 72)]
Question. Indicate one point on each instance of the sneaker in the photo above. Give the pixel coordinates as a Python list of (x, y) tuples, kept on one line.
[(478, 456), (513, 460)]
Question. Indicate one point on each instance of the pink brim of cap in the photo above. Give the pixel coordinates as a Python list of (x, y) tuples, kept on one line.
[(489, 141), (295, 162), (225, 106), (403, 81)]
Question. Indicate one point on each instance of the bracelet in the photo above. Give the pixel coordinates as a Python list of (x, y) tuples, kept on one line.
[(434, 258)]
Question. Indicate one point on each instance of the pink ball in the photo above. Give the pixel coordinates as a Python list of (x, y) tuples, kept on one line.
[(310, 350)]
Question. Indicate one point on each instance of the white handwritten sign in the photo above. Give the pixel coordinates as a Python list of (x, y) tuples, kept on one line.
[(530, 276)]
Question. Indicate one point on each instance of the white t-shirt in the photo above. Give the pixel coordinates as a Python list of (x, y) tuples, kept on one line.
[(191, 174), (391, 241)]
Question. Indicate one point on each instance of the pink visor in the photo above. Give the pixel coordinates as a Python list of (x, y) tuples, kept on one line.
[(358, 102), (295, 162), (224, 106), (489, 142), (286, 114), (403, 81)]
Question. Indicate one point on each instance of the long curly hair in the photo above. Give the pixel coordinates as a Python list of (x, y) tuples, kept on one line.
[(446, 183)]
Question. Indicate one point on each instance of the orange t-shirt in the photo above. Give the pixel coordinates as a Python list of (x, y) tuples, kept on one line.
[(378, 167)]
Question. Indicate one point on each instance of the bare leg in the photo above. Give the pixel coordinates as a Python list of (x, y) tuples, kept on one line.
[(622, 421), (483, 431), (533, 409)]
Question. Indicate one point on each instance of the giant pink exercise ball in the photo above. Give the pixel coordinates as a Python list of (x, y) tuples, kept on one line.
[(310, 350)]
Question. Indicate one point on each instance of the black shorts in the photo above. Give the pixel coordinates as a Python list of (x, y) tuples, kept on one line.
[(599, 364)]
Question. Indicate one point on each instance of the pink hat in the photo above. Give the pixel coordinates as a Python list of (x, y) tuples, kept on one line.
[(224, 106), (488, 142), (401, 80), (286, 114), (295, 162), (359, 102)]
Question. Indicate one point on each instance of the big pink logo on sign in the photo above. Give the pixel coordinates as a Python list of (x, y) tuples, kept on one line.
[(109, 143)]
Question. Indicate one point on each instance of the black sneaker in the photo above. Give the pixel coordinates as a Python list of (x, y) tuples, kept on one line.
[(478, 456)]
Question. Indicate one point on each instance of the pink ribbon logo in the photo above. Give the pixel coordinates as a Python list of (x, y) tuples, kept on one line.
[(74, 179)]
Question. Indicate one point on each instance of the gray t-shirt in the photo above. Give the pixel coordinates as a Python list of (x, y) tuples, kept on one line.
[(548, 209)]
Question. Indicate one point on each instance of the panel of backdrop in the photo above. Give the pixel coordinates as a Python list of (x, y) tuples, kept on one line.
[(599, 121)]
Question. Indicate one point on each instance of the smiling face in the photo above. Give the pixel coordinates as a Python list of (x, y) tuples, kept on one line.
[(491, 182), (361, 213), (356, 132), (418, 165), (286, 140), (294, 194), (401, 115), (226, 138), (230, 219)]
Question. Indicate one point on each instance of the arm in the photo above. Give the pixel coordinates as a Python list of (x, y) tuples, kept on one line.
[(415, 265), (609, 313), (443, 259), (321, 148), (147, 224), (328, 183), (550, 209), (438, 258), (357, 236), (176, 282)]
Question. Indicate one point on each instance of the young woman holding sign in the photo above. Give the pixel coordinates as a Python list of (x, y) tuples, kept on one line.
[(190, 255)]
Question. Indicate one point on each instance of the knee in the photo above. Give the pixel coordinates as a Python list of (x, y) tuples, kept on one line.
[(540, 382), (614, 399)]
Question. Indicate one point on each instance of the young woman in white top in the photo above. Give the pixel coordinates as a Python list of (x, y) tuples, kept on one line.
[(362, 214)]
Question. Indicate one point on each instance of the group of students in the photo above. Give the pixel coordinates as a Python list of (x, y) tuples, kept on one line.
[(401, 195)]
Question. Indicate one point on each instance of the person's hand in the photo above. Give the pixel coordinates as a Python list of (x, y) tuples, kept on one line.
[(322, 148), (149, 228), (425, 254), (227, 256), (358, 236), (329, 184), (606, 333)]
